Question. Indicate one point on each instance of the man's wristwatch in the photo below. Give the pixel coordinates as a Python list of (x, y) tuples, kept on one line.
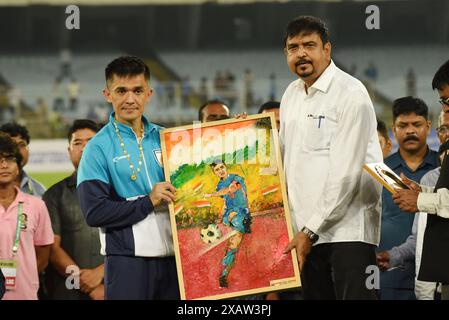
[(310, 234)]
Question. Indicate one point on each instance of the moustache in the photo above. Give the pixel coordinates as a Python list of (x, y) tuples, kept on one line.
[(411, 138), (302, 61)]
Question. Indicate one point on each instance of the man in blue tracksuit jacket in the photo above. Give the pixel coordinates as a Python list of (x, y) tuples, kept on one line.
[(122, 191)]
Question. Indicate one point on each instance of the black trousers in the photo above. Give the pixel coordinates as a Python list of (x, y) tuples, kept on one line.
[(139, 278), (445, 292), (2, 284), (338, 271)]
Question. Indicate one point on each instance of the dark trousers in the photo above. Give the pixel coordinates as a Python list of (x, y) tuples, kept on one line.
[(2, 284), (397, 294), (338, 271), (139, 278), (445, 292)]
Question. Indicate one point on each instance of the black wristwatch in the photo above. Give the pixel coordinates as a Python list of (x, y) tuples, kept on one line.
[(310, 234)]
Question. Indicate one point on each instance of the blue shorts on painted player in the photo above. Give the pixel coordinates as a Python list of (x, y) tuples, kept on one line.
[(241, 219)]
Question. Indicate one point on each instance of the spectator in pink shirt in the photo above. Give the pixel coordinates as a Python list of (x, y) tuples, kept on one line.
[(25, 229)]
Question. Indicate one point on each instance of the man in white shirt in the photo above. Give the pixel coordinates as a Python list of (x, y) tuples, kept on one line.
[(328, 131), (412, 247), (435, 201)]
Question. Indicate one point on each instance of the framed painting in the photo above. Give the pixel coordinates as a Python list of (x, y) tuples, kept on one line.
[(230, 220)]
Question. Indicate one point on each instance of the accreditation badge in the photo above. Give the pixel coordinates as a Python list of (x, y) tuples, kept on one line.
[(9, 269)]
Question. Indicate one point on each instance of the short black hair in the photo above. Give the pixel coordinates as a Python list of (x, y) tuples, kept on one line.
[(8, 147), (208, 102), (382, 129), (216, 163), (82, 124), (127, 66), (269, 105), (441, 77), (14, 130), (307, 25), (407, 105)]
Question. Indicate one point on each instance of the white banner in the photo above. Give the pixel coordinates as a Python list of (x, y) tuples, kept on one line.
[(49, 156)]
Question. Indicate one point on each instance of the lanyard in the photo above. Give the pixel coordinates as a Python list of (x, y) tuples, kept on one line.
[(15, 247), (30, 188)]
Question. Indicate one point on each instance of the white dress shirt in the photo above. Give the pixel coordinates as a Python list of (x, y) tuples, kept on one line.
[(327, 135), (425, 290), (434, 202)]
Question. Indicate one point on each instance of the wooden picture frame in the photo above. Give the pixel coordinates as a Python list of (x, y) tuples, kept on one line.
[(230, 220), (387, 177)]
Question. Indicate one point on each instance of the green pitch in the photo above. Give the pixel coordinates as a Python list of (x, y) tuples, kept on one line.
[(49, 178)]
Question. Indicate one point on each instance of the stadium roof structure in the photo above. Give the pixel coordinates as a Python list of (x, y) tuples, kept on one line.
[(147, 2)]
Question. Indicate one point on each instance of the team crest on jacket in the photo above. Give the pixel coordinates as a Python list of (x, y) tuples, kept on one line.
[(158, 156)]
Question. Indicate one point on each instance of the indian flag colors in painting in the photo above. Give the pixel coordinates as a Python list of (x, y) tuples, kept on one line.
[(269, 190), (201, 204), (197, 187), (178, 208), (228, 174)]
